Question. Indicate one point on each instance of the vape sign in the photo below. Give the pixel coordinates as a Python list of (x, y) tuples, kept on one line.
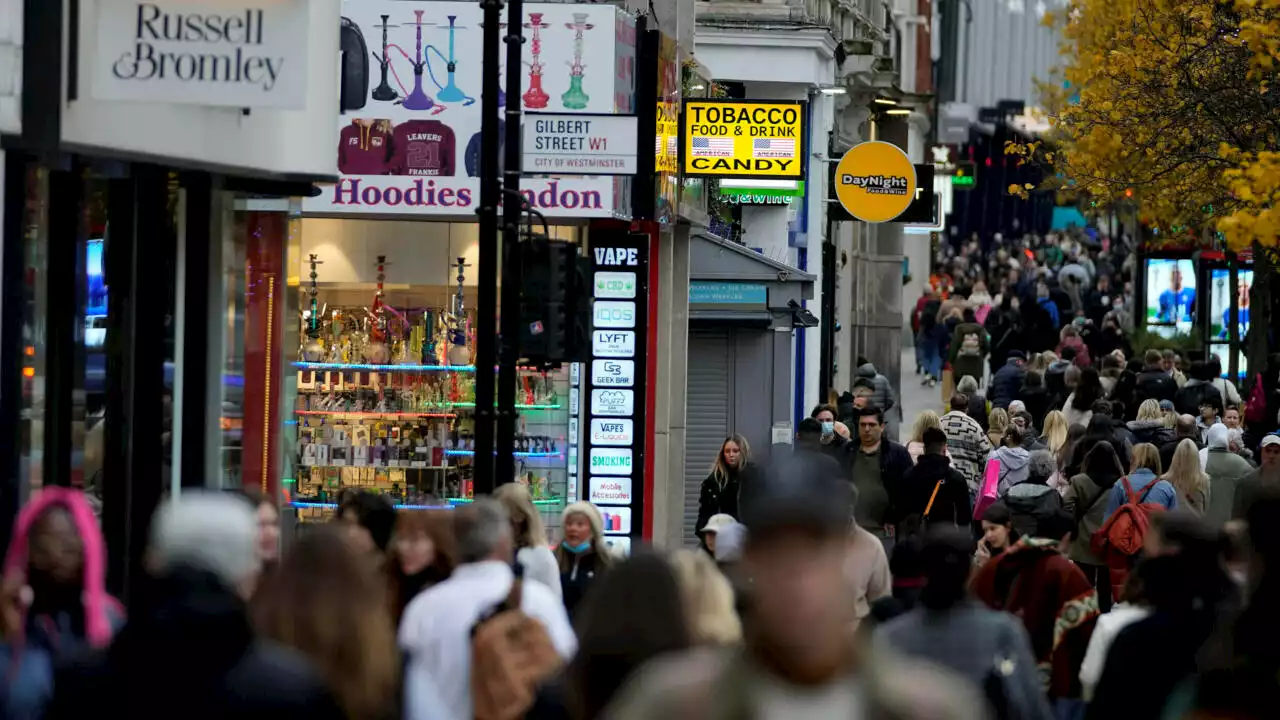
[(614, 432), (613, 373)]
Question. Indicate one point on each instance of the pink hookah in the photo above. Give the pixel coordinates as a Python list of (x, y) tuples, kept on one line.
[(535, 97)]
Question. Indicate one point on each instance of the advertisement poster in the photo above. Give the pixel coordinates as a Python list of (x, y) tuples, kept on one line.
[(1222, 352), (1171, 293), (744, 139), (1220, 303), (408, 138)]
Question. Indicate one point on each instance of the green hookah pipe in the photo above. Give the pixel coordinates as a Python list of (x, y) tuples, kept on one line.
[(314, 329)]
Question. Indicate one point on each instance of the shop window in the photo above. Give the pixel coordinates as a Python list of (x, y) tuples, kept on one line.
[(382, 372)]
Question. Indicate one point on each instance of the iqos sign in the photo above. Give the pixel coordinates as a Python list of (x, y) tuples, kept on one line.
[(614, 314), (223, 53)]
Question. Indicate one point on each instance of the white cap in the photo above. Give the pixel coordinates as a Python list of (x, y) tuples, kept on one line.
[(1271, 439), (211, 531), (716, 522)]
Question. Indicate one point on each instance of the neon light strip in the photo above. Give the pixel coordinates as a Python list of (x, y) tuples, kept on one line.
[(334, 506), (437, 406), (329, 413), (468, 453), (464, 501), (383, 368)]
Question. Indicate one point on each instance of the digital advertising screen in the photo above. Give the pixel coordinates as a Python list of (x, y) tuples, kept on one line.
[(1220, 303), (97, 297), (1171, 293), (1222, 352)]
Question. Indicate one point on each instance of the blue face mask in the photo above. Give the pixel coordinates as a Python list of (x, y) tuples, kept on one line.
[(828, 428), (576, 549)]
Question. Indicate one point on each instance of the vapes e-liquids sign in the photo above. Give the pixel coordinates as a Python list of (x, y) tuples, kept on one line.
[(614, 389)]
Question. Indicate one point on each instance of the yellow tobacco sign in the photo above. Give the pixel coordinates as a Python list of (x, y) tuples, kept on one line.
[(666, 149), (744, 139), (875, 181)]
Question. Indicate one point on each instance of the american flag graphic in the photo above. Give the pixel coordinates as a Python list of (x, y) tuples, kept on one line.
[(673, 148), (769, 148), (712, 147)]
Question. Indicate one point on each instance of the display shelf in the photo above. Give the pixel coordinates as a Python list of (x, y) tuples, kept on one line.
[(366, 367), (534, 455), (540, 502), (304, 505), (357, 415)]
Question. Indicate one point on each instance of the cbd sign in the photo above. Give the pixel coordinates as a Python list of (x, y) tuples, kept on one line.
[(619, 285)]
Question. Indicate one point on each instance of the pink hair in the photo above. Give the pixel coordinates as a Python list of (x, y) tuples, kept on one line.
[(95, 599)]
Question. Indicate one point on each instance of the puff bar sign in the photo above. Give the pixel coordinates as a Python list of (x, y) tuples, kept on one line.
[(614, 437), (744, 139)]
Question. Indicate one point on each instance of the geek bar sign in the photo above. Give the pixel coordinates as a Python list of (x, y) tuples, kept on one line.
[(222, 53)]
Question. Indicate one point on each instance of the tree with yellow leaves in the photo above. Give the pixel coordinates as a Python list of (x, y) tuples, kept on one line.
[(1170, 102)]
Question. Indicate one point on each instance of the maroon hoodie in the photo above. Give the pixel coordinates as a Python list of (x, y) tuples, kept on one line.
[(364, 149), (424, 148)]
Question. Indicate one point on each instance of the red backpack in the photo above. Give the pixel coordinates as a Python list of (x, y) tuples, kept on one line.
[(1122, 535), (1255, 411)]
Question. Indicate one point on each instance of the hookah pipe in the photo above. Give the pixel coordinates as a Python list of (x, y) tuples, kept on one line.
[(384, 92), (574, 98), (379, 330), (458, 333), (314, 330), (449, 92), (416, 99), (535, 97)]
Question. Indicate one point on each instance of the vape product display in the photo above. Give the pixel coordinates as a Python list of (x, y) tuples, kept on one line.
[(385, 399)]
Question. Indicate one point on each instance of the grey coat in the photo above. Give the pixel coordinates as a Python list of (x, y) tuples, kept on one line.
[(882, 391)]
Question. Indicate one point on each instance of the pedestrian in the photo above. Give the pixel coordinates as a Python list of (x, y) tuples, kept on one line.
[(967, 444), (990, 649), (1143, 481), (878, 463), (324, 577), (1198, 391), (998, 534), (1070, 337), (1086, 499), (1121, 615), (928, 352), (1078, 407), (1030, 436), (925, 420), (732, 469), (533, 551), (436, 631), (268, 526), (709, 535), (881, 388), (1006, 382), (370, 519), (1058, 606), (708, 600), (422, 555), (1188, 478), (1055, 431), (1187, 589), (583, 553), (1185, 428), (1266, 476), (54, 596), (1154, 382), (997, 423), (969, 347), (1149, 425), (1226, 470), (638, 614), (1226, 389), (797, 553), (932, 492), (189, 642), (977, 408), (1125, 393)]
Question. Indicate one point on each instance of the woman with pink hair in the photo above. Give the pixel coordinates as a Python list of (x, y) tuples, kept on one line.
[(54, 598)]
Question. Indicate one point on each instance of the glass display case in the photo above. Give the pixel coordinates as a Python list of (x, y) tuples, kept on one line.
[(385, 387)]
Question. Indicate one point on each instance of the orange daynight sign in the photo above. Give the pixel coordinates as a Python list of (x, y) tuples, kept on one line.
[(875, 181)]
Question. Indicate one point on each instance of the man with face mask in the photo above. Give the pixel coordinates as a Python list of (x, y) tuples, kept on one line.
[(799, 658)]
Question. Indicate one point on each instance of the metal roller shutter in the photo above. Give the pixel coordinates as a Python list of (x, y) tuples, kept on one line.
[(708, 399)]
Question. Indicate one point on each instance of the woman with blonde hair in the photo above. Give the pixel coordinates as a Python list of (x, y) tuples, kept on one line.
[(533, 552), (583, 554), (997, 423), (1055, 430), (325, 601), (708, 599), (925, 420), (731, 471), (1188, 478), (1149, 427)]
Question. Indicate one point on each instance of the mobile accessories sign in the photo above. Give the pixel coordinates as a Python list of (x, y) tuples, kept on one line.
[(578, 144), (744, 139), (222, 53), (615, 389), (875, 182)]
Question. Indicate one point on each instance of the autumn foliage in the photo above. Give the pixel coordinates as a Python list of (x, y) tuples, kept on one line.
[(1170, 104)]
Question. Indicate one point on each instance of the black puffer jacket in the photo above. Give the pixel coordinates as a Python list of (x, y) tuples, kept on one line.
[(1156, 384), (1195, 393), (1150, 431), (1007, 383), (189, 645), (716, 498)]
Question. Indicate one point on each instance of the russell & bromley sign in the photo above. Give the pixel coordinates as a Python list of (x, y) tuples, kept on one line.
[(222, 53)]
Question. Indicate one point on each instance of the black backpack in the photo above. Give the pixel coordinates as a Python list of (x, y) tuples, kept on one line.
[(355, 67)]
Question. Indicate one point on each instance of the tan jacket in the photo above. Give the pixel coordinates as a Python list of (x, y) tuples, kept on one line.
[(718, 685)]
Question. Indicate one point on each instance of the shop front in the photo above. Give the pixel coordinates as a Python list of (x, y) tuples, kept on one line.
[(146, 222), (744, 311), (379, 391)]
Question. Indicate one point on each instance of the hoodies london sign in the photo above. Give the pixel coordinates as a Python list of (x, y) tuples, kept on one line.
[(875, 181), (242, 53)]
